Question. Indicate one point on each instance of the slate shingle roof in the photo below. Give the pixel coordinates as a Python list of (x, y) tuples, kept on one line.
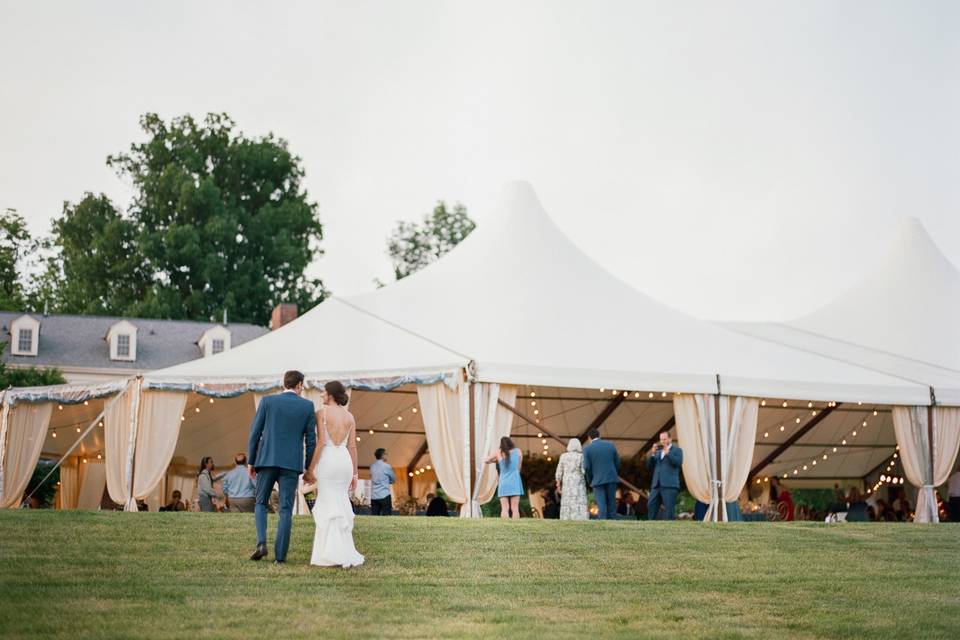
[(79, 341)]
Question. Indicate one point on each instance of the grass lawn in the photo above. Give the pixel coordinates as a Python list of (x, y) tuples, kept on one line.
[(186, 575)]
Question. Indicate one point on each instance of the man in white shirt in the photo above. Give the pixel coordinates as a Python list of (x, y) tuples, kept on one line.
[(953, 493)]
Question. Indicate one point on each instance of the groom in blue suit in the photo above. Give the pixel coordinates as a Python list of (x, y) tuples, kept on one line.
[(284, 422), (601, 466), (665, 460)]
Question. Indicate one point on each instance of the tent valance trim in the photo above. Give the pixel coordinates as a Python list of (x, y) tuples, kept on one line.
[(76, 393)]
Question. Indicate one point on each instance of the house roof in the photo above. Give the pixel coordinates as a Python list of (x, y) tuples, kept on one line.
[(78, 341)]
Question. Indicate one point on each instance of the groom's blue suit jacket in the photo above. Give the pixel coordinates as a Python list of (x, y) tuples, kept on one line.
[(282, 424)]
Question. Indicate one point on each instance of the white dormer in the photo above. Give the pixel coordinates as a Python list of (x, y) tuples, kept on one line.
[(122, 338), (214, 340), (25, 336)]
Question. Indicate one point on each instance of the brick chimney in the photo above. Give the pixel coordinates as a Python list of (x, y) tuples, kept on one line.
[(283, 313)]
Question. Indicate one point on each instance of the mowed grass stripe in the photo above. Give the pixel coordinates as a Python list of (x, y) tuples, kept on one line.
[(175, 575)]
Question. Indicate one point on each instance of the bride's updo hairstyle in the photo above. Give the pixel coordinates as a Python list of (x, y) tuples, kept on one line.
[(338, 392)]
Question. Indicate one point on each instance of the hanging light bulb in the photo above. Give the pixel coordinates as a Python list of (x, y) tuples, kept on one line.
[(766, 434), (798, 420), (414, 409), (809, 405), (626, 393), (824, 456), (54, 434), (874, 412), (854, 434), (636, 394), (539, 434), (533, 394), (763, 403), (410, 474), (371, 431), (614, 392), (182, 418), (86, 403), (782, 427), (399, 418), (429, 467), (536, 412), (784, 404), (804, 467), (78, 429), (60, 407), (813, 462), (863, 424), (533, 403), (650, 395), (386, 425), (197, 409), (99, 457), (663, 394), (843, 442), (834, 449), (602, 389)]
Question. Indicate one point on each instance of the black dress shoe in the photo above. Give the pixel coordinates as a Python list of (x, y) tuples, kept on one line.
[(261, 552)]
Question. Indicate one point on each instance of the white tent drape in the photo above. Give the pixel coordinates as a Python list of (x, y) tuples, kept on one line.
[(119, 440), (491, 422), (738, 421), (697, 434), (69, 483), (157, 434), (911, 427), (23, 429), (92, 481), (446, 421)]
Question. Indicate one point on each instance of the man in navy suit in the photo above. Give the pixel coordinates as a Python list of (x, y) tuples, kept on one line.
[(665, 460), (284, 422), (601, 466)]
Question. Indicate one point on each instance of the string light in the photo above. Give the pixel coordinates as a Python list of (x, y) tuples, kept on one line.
[(533, 394), (415, 410), (763, 403), (602, 389), (54, 434), (650, 395), (197, 409), (410, 474), (429, 467), (636, 394), (371, 431), (78, 429), (86, 403), (663, 394), (99, 457), (211, 400)]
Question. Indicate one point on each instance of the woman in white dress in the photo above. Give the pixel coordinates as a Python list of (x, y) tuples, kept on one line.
[(335, 465), (571, 484)]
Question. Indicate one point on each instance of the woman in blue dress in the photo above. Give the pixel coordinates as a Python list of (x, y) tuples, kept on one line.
[(508, 458)]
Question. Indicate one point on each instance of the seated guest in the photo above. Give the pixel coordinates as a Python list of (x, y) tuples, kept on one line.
[(785, 503), (436, 506), (176, 504), (238, 487), (857, 507), (551, 504), (901, 507)]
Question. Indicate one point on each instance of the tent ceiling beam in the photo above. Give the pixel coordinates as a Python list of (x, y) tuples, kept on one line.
[(603, 415), (802, 431)]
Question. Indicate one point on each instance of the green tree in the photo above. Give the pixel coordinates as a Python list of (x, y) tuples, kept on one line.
[(29, 376), (94, 264), (219, 221), (413, 245), (14, 245)]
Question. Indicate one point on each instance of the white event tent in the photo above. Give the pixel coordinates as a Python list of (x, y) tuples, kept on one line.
[(516, 308), (902, 319)]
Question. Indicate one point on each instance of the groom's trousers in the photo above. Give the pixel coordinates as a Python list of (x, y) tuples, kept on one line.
[(288, 481)]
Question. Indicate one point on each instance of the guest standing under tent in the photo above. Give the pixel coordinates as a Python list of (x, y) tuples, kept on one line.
[(510, 488), (205, 482), (571, 484)]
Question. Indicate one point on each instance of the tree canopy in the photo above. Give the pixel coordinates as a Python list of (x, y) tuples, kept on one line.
[(218, 222), (413, 245)]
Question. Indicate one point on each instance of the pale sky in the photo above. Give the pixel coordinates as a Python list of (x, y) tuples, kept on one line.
[(736, 160)]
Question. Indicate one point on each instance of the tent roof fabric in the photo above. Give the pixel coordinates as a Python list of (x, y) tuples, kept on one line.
[(522, 302), (915, 334)]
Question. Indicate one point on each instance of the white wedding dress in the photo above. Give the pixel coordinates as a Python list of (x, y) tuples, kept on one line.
[(332, 511)]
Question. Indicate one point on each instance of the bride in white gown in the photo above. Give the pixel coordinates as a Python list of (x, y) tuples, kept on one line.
[(336, 474)]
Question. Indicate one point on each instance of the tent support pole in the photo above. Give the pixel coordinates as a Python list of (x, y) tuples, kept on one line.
[(472, 449), (509, 407), (930, 418), (721, 513)]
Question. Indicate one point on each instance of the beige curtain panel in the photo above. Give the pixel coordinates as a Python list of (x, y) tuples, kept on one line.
[(157, 434), (446, 420), (119, 437), (492, 422), (69, 483), (23, 429), (910, 426), (92, 482), (697, 434)]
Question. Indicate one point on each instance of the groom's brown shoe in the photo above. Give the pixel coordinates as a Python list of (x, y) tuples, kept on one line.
[(261, 552)]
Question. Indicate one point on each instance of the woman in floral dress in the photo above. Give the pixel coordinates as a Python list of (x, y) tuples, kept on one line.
[(570, 483)]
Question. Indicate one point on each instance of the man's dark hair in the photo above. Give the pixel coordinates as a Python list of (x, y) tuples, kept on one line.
[(378, 454), (594, 433), (240, 458), (291, 379)]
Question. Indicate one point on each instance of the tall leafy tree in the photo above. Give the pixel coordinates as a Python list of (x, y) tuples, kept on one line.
[(414, 245), (94, 264), (14, 244), (219, 221)]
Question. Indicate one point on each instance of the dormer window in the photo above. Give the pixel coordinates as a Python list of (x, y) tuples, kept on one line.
[(122, 338), (25, 336), (214, 340), (123, 345)]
